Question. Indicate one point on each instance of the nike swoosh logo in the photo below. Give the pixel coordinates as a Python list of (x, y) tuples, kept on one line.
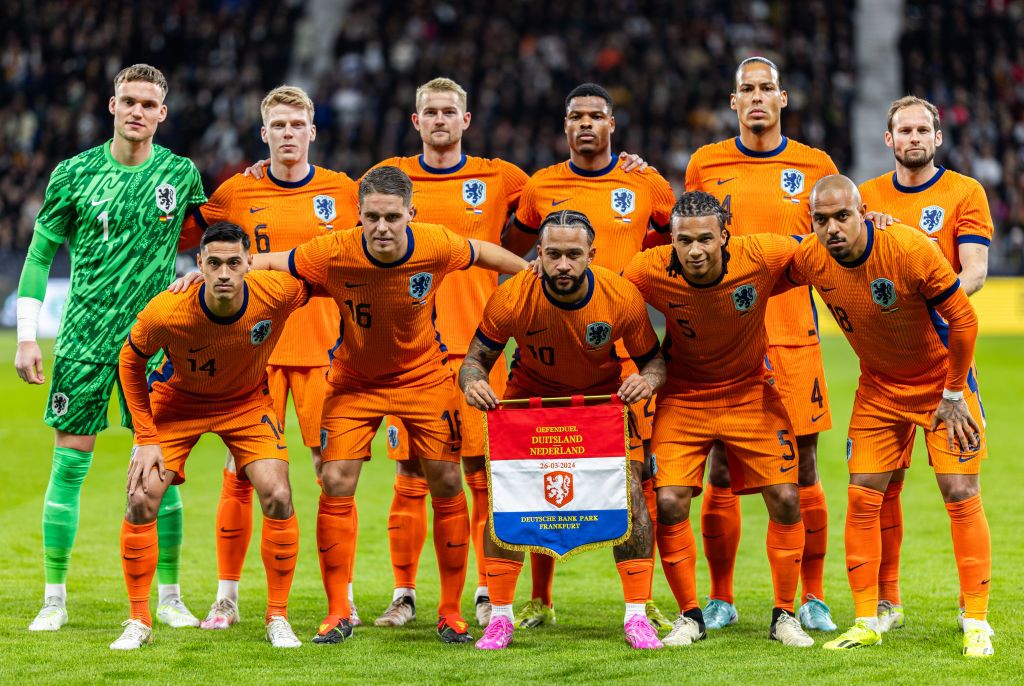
[(673, 306), (456, 545), (195, 350), (961, 460), (393, 528), (59, 506), (535, 331), (281, 447), (850, 569), (491, 576), (556, 203), (814, 531), (324, 550), (137, 557), (96, 203), (828, 290), (285, 557), (634, 573), (886, 528), (349, 284), (817, 417), (712, 536), (673, 564), (786, 469), (985, 581), (720, 182), (254, 210), (229, 531)]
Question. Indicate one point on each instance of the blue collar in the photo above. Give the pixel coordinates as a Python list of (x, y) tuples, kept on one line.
[(224, 320), (292, 184), (443, 170), (867, 248), (756, 153), (579, 304), (596, 172), (923, 187), (402, 260)]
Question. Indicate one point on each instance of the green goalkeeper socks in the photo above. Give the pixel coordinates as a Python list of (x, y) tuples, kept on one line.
[(169, 527), (60, 510)]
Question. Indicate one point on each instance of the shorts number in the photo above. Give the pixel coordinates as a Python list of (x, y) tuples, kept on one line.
[(789, 453), (648, 412), (816, 396), (685, 328), (275, 427), (839, 314), (360, 313), (454, 424), (262, 238), (545, 353), (210, 366)]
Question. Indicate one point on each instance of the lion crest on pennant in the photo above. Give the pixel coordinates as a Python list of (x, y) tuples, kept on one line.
[(324, 208), (558, 488)]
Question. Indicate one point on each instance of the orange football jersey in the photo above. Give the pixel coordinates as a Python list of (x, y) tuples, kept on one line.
[(888, 302), (210, 362), (766, 192), (715, 339), (568, 349), (280, 215), (951, 209), (473, 199), (387, 326)]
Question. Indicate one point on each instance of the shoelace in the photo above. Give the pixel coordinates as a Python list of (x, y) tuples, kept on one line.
[(134, 630), (279, 628), (223, 607)]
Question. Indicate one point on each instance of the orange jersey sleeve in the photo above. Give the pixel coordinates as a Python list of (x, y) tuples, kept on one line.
[(387, 332), (473, 199), (715, 339), (766, 192), (888, 305), (951, 209), (568, 349), (278, 216)]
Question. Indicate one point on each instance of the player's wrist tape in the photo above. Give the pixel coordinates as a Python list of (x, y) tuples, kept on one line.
[(28, 318), (955, 396)]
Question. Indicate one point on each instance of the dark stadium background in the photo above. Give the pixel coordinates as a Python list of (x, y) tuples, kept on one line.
[(669, 65)]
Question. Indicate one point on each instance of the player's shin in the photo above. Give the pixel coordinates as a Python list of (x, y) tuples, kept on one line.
[(785, 544), (335, 539), (451, 544), (477, 482), (407, 528), (61, 511), (678, 550), (502, 577), (280, 547), (233, 530), (863, 547), (972, 546), (814, 513), (169, 525), (892, 541), (139, 543), (542, 576), (720, 529)]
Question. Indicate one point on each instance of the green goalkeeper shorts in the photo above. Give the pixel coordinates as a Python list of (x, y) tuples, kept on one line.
[(80, 394)]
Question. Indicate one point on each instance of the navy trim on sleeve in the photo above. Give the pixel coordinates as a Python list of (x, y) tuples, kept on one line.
[(472, 257), (944, 295), (291, 264), (660, 228), (648, 356), (796, 237), (523, 227), (197, 214), (789, 277), (979, 240), (136, 349), (488, 343)]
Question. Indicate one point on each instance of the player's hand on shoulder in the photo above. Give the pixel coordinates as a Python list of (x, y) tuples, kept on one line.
[(28, 360), (145, 458), (634, 388), (480, 395), (182, 283), (961, 429), (880, 219), (631, 161), (535, 267), (256, 171)]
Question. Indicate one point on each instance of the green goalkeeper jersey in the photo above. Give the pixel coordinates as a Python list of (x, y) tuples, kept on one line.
[(122, 225)]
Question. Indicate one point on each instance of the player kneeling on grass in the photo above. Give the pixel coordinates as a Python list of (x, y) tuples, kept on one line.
[(559, 314), (713, 290), (217, 337)]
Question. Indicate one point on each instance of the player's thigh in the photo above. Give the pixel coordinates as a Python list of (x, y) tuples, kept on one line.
[(759, 443), (473, 438), (179, 433), (252, 432), (351, 417), (679, 447), (800, 377), (308, 387), (957, 461), (79, 396), (643, 409), (278, 383), (433, 417), (880, 438)]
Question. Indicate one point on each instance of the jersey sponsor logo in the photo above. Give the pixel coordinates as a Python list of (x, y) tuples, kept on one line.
[(792, 181), (849, 448), (932, 218), (419, 284), (744, 297), (323, 447), (623, 201), (598, 333), (393, 437), (474, 192), (324, 208), (166, 198), (883, 292), (260, 332), (59, 404), (558, 488)]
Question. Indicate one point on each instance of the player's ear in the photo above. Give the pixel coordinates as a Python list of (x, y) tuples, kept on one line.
[(412, 212), (466, 118), (590, 255), (263, 134), (416, 121), (611, 122), (888, 139), (732, 102), (112, 105), (248, 258), (199, 259), (783, 98), (312, 132), (938, 138), (163, 113)]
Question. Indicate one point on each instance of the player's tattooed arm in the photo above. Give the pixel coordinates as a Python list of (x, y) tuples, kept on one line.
[(474, 376), (636, 387)]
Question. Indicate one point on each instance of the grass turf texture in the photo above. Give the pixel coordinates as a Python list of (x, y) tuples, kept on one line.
[(587, 643)]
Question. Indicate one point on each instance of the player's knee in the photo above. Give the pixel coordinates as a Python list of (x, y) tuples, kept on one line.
[(783, 503), (276, 501), (445, 480), (960, 489), (337, 482), (673, 505), (142, 507)]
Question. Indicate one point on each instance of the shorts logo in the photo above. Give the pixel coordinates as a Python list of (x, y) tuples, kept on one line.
[(849, 448), (260, 332), (931, 219), (324, 208), (59, 404), (323, 440), (474, 192), (744, 297), (558, 488), (623, 200), (598, 334), (166, 198), (419, 284), (792, 181), (393, 437), (883, 292)]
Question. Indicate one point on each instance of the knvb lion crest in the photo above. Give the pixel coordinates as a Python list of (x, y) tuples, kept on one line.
[(324, 208), (792, 181), (474, 192), (744, 297), (558, 488), (260, 332), (623, 200), (419, 284), (932, 218), (598, 334), (323, 440), (883, 292), (59, 404), (166, 198), (393, 437)]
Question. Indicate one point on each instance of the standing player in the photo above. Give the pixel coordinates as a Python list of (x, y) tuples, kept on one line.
[(952, 210), (290, 204), (573, 315), (886, 290), (621, 207), (216, 338), (389, 361), (713, 290), (120, 207), (762, 180)]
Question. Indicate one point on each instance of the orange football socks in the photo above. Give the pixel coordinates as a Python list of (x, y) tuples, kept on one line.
[(814, 513), (502, 576), (636, 579), (863, 547), (720, 527), (477, 482), (651, 500), (542, 572), (972, 546), (138, 559), (679, 561), (234, 526), (407, 528), (892, 540), (336, 543), (785, 544), (451, 543), (280, 549)]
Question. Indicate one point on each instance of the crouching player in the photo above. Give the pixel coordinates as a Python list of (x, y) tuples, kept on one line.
[(217, 337), (572, 315)]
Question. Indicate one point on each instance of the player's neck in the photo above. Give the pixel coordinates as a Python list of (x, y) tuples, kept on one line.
[(766, 141), (130, 153), (442, 158), (915, 177), (224, 307), (289, 172), (595, 162)]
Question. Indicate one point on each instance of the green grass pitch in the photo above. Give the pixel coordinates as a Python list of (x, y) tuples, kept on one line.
[(585, 646)]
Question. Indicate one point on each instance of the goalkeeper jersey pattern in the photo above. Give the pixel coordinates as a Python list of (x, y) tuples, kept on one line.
[(121, 224)]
